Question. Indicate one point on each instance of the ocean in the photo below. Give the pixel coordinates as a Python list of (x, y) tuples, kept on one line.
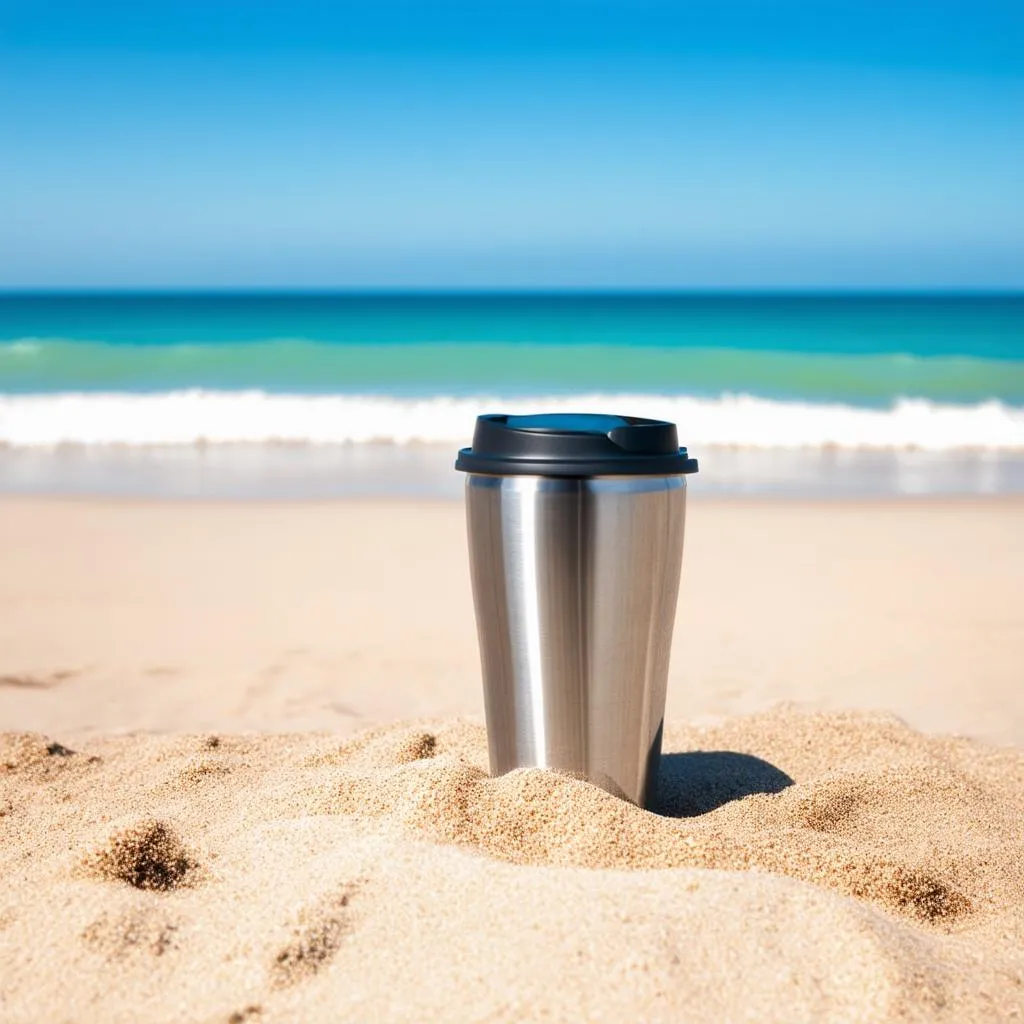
[(340, 393)]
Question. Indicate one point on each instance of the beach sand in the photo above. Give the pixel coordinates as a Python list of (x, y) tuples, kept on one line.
[(244, 776)]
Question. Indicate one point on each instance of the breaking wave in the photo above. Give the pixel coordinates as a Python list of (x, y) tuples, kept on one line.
[(187, 417)]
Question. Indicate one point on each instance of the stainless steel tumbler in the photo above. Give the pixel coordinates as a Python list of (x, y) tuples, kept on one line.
[(576, 540)]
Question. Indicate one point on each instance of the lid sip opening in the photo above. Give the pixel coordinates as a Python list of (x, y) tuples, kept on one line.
[(574, 444)]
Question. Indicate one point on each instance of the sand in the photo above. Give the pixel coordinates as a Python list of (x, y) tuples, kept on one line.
[(182, 616), (801, 866), (311, 833)]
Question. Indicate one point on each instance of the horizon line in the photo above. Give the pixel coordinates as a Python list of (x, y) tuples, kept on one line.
[(839, 291)]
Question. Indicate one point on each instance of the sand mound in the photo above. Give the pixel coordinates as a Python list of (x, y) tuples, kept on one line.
[(907, 825), (29, 753), (149, 855), (795, 867)]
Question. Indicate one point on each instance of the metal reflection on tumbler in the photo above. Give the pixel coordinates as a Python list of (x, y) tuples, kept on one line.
[(575, 579)]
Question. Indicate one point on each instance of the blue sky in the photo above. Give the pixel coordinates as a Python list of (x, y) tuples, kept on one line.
[(555, 144)]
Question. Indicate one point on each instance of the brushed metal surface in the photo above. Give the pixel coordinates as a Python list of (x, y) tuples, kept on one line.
[(575, 584)]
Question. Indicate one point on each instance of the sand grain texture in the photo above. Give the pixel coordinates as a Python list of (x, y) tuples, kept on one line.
[(801, 867)]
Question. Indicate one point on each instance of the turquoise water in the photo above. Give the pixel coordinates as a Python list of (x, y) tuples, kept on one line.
[(190, 395), (863, 351)]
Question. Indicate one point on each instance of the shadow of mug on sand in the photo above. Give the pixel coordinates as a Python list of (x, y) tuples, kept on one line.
[(698, 781)]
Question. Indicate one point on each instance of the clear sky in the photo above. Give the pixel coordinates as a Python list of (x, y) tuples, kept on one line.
[(562, 143)]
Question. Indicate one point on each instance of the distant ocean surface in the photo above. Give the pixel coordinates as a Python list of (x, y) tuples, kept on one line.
[(879, 373), (931, 372)]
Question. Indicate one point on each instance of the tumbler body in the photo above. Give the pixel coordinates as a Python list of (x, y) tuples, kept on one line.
[(575, 581)]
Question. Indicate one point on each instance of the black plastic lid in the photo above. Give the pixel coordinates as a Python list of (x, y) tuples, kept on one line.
[(574, 444)]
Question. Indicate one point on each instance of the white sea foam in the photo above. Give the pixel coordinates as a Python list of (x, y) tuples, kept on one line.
[(221, 417)]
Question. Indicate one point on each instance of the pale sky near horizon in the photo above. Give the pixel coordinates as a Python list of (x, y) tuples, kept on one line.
[(572, 143)]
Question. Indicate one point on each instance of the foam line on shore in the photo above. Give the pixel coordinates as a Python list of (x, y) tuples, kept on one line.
[(224, 417)]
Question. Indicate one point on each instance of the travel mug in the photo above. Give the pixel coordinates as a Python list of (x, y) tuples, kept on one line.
[(576, 540)]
